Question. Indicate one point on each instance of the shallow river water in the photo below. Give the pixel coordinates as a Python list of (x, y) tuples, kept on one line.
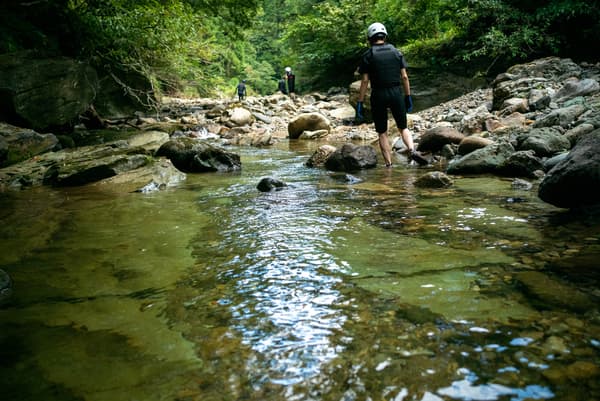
[(326, 290)]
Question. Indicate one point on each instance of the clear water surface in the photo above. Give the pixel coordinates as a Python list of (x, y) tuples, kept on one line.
[(326, 290)]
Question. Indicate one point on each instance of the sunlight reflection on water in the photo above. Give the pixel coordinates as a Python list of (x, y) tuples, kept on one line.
[(288, 314), (467, 389), (322, 291)]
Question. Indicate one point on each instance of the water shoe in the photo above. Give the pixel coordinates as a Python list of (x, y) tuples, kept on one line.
[(416, 156)]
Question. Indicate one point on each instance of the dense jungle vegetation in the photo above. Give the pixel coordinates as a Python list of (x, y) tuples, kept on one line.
[(203, 47)]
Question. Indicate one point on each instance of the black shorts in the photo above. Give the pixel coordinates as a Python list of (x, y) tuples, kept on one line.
[(383, 99)]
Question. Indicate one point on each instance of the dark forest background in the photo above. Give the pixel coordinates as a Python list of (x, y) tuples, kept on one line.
[(203, 47)]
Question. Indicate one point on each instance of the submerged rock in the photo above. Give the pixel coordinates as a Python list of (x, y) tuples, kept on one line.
[(268, 184), (550, 291), (433, 179)]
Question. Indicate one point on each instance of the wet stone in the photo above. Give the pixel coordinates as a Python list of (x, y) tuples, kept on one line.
[(583, 370)]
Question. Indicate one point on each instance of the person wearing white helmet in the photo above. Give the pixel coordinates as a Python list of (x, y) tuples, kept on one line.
[(291, 81), (384, 67)]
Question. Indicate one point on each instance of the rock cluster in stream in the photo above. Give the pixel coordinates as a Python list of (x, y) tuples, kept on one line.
[(536, 122)]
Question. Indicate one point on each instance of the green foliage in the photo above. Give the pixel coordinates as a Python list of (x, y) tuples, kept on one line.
[(231, 14), (513, 31), (326, 43), (209, 45), (416, 20), (175, 43), (477, 35), (165, 41), (240, 61), (574, 24)]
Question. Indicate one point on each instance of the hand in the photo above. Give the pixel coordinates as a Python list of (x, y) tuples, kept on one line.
[(408, 103), (359, 112)]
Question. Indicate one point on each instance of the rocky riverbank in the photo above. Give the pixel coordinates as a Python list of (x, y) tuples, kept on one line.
[(537, 122)]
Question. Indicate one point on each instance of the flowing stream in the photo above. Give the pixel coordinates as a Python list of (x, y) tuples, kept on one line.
[(325, 290)]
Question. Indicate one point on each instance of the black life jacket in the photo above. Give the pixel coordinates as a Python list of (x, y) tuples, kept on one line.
[(386, 63)]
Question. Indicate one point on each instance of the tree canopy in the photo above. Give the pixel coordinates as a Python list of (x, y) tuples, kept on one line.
[(203, 47)]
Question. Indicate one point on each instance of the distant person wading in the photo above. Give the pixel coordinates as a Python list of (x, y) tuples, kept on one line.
[(241, 90), (281, 86), (291, 81)]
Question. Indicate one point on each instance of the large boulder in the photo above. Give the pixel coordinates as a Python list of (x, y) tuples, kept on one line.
[(434, 139), (240, 117), (351, 158), (551, 68), (563, 116), (574, 87), (523, 163), (344, 113), (123, 93), (545, 142), (490, 159), (433, 179), (507, 86), (475, 121), (148, 141), (90, 164), (524, 80), (320, 156), (194, 156), (269, 184), (152, 177), (45, 94), (307, 122), (258, 138), (570, 183), (18, 144), (91, 169), (354, 92), (472, 143)]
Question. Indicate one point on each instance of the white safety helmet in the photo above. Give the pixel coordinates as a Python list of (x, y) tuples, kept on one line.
[(288, 69), (376, 28)]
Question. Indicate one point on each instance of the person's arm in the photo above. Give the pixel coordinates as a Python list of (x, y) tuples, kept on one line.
[(408, 102), (361, 97), (364, 83), (405, 82)]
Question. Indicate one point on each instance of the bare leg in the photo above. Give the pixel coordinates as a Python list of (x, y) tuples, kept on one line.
[(413, 154), (407, 139), (384, 145)]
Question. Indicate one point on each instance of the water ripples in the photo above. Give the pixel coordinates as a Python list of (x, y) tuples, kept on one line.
[(286, 296), (333, 296)]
